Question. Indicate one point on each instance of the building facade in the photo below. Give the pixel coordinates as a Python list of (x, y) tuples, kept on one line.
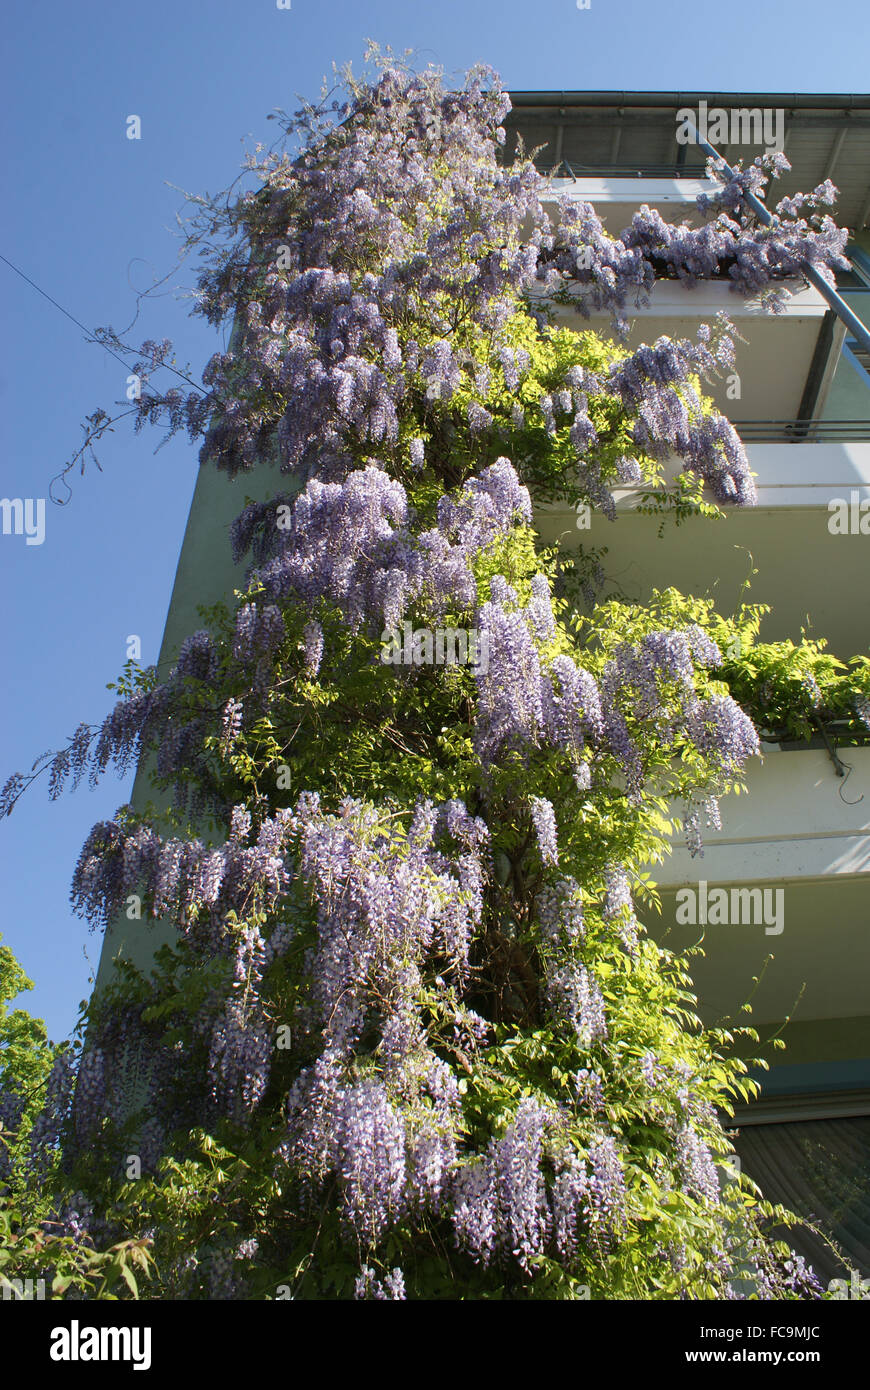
[(793, 857)]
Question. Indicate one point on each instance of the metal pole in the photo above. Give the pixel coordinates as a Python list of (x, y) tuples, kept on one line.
[(838, 304)]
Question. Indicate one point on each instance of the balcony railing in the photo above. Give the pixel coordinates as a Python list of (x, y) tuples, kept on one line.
[(565, 170), (801, 431)]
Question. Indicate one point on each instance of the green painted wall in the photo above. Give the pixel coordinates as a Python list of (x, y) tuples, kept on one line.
[(206, 575)]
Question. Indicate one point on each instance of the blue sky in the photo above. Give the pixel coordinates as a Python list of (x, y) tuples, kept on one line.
[(89, 215)]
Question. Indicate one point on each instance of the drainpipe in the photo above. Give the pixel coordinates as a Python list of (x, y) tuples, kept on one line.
[(837, 303)]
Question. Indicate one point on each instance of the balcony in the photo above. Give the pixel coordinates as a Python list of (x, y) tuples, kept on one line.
[(802, 431), (775, 360), (795, 826), (809, 366), (671, 191), (798, 846), (812, 577)]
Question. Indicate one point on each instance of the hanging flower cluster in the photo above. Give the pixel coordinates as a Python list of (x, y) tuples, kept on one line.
[(604, 273)]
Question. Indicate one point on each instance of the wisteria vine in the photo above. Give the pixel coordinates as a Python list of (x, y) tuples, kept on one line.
[(423, 953)]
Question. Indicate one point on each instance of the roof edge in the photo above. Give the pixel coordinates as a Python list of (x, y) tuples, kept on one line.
[(834, 101)]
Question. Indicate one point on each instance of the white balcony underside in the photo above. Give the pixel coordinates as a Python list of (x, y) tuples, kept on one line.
[(771, 860), (794, 475), (616, 200)]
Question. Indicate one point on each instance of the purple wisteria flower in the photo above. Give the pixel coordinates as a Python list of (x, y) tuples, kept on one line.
[(544, 818), (696, 1165), (499, 1203), (390, 1288)]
